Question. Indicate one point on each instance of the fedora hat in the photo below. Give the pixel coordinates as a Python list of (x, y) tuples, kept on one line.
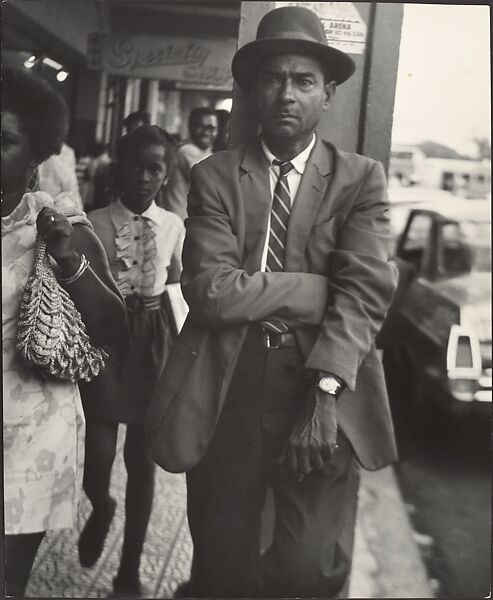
[(289, 30)]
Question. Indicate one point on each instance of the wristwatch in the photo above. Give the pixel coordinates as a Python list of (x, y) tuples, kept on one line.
[(329, 385)]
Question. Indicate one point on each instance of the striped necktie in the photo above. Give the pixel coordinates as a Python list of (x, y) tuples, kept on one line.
[(279, 218)]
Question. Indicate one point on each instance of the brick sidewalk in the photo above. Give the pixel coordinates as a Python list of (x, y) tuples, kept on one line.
[(386, 559), (167, 550)]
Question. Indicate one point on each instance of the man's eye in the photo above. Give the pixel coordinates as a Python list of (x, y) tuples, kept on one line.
[(305, 82), (271, 80)]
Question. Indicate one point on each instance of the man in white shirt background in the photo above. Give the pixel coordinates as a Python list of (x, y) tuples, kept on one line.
[(203, 128)]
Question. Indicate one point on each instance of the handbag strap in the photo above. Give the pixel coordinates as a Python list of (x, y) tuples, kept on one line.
[(40, 255)]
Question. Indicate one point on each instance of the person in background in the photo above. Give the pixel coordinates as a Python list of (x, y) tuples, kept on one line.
[(203, 129), (57, 175), (224, 122), (275, 380), (143, 243), (43, 422), (136, 119), (67, 156), (92, 174)]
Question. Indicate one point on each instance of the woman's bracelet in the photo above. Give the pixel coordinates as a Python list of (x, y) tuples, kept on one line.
[(84, 264)]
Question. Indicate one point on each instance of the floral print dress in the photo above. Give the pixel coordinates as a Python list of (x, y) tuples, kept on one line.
[(43, 422)]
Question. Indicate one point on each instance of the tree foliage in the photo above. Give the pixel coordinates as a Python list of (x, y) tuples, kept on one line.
[(435, 150)]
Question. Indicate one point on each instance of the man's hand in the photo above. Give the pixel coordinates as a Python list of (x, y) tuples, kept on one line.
[(313, 437)]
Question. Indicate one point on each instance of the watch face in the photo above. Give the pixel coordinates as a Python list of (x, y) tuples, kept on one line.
[(328, 385)]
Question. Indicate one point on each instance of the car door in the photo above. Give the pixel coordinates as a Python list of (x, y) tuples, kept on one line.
[(412, 255)]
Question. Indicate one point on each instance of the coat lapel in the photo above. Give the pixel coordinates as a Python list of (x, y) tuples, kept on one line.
[(307, 203), (255, 190)]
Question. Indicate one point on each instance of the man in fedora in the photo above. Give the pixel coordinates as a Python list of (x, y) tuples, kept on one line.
[(275, 379)]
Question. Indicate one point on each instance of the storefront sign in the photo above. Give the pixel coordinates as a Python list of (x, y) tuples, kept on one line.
[(344, 27), (199, 63)]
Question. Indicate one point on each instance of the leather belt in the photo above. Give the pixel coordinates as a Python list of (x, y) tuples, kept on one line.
[(273, 340), (139, 304)]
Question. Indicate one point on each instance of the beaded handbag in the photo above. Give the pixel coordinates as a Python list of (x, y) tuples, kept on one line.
[(51, 335)]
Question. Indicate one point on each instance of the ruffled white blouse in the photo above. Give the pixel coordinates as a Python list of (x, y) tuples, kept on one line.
[(140, 247)]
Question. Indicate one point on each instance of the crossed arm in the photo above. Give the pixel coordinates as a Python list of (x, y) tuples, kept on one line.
[(219, 292), (348, 305), (361, 283)]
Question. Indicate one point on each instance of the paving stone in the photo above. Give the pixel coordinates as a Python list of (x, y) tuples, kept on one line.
[(386, 560)]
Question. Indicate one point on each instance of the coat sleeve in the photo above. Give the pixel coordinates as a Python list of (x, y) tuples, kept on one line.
[(218, 291), (175, 194), (361, 284)]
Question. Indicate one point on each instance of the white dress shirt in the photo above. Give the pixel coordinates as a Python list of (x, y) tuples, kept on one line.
[(294, 179)]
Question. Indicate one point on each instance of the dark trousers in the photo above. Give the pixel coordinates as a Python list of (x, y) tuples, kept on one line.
[(314, 520)]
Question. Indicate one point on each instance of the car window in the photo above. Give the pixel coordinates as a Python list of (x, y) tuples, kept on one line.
[(416, 239), (478, 239), (464, 247), (454, 254)]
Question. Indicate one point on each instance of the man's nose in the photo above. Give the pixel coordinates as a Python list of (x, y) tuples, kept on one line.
[(287, 91), (143, 175)]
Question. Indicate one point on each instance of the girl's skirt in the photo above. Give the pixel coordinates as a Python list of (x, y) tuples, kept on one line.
[(122, 392)]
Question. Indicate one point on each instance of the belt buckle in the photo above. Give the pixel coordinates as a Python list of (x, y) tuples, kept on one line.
[(268, 342)]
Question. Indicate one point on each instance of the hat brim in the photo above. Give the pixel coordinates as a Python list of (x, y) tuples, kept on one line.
[(247, 59)]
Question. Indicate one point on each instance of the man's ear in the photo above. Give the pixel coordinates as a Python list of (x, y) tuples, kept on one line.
[(330, 90)]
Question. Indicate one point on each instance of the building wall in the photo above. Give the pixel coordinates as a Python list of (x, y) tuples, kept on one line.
[(360, 118), (87, 110), (469, 178), (68, 22)]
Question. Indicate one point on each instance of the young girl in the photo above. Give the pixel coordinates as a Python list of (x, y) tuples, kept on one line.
[(143, 243)]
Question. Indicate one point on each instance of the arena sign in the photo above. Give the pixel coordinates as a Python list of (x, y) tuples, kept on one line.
[(194, 62), (344, 27)]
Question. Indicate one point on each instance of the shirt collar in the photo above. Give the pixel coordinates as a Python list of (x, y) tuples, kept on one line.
[(298, 162), (121, 215)]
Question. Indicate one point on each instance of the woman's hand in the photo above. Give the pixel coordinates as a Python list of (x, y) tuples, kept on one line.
[(95, 292), (58, 234)]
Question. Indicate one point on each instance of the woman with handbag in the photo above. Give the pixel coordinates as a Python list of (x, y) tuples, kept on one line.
[(143, 243), (43, 422)]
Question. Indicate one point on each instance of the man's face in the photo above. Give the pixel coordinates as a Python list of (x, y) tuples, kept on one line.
[(203, 131), (290, 95)]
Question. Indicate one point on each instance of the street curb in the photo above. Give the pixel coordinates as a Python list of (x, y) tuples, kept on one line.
[(386, 562)]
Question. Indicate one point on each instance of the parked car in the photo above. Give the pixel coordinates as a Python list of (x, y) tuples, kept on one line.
[(437, 335)]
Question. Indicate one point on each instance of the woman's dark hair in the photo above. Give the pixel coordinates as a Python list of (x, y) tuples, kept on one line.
[(147, 135), (41, 110)]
